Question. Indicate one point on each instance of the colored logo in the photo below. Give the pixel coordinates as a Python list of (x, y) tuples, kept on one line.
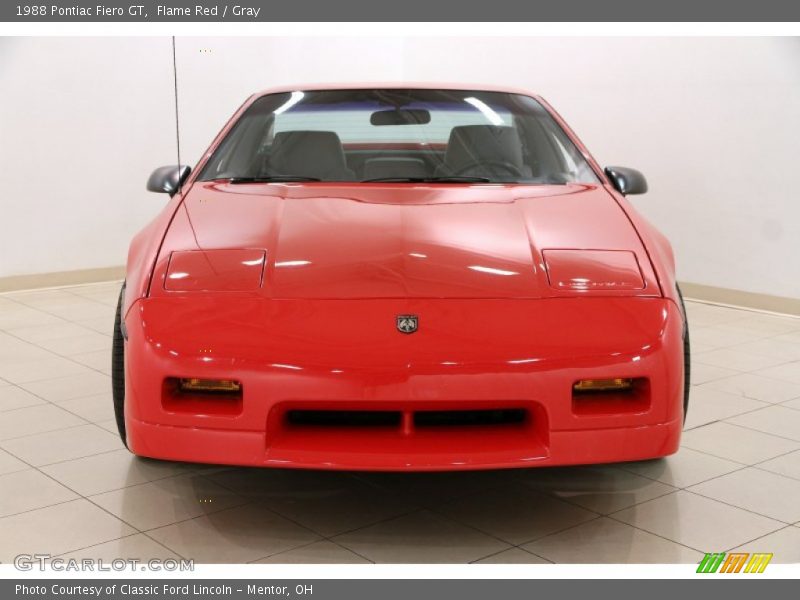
[(734, 562)]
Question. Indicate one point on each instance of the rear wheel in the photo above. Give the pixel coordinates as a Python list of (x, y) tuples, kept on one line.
[(118, 369), (687, 363)]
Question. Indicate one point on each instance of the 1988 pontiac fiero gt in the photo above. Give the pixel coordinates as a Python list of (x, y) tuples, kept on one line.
[(399, 278)]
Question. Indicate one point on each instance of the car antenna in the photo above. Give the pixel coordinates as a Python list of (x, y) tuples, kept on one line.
[(177, 126)]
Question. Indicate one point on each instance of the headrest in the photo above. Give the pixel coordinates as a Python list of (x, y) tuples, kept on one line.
[(470, 144), (309, 153)]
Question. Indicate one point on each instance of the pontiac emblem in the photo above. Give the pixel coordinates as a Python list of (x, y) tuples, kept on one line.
[(407, 323)]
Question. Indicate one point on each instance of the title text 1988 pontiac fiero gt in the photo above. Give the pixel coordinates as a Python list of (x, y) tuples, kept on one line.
[(399, 278)]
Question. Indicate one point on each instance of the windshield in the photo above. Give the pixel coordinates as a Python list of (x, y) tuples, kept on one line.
[(398, 135)]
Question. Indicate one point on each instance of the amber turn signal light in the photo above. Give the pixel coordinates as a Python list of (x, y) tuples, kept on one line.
[(225, 386), (603, 385)]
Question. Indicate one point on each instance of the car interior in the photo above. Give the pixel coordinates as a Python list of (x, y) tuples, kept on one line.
[(471, 151)]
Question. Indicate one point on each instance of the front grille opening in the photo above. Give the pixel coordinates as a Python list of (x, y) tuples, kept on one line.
[(344, 418), (455, 418)]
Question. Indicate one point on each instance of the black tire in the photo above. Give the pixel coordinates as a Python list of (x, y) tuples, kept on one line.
[(687, 356), (118, 370)]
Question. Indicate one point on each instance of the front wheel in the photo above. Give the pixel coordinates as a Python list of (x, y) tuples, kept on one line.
[(118, 369), (687, 355)]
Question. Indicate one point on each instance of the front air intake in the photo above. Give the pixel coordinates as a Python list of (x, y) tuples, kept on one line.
[(344, 418), (456, 418)]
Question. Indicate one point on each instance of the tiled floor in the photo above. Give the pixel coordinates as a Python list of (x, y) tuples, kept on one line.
[(67, 487)]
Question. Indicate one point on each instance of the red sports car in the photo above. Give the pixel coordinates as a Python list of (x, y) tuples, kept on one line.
[(399, 278)]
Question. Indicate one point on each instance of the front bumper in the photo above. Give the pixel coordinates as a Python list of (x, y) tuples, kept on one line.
[(347, 355)]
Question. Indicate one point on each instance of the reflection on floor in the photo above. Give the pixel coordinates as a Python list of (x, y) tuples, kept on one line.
[(68, 488)]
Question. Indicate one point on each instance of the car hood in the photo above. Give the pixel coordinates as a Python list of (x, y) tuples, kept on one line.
[(406, 240)]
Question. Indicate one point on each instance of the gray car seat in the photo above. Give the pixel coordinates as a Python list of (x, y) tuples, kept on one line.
[(471, 145), (309, 154)]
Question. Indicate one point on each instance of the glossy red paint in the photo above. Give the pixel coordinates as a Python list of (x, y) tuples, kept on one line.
[(347, 355), (219, 270), (593, 270), (400, 240), (482, 268)]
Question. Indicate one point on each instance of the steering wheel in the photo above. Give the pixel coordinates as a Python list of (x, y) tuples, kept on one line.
[(509, 167)]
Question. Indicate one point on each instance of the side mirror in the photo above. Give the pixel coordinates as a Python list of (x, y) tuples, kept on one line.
[(627, 181), (168, 180)]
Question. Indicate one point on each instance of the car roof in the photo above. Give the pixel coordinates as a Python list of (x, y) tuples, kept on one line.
[(404, 85)]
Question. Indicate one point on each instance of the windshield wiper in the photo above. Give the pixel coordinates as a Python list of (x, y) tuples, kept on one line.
[(444, 179), (271, 179)]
